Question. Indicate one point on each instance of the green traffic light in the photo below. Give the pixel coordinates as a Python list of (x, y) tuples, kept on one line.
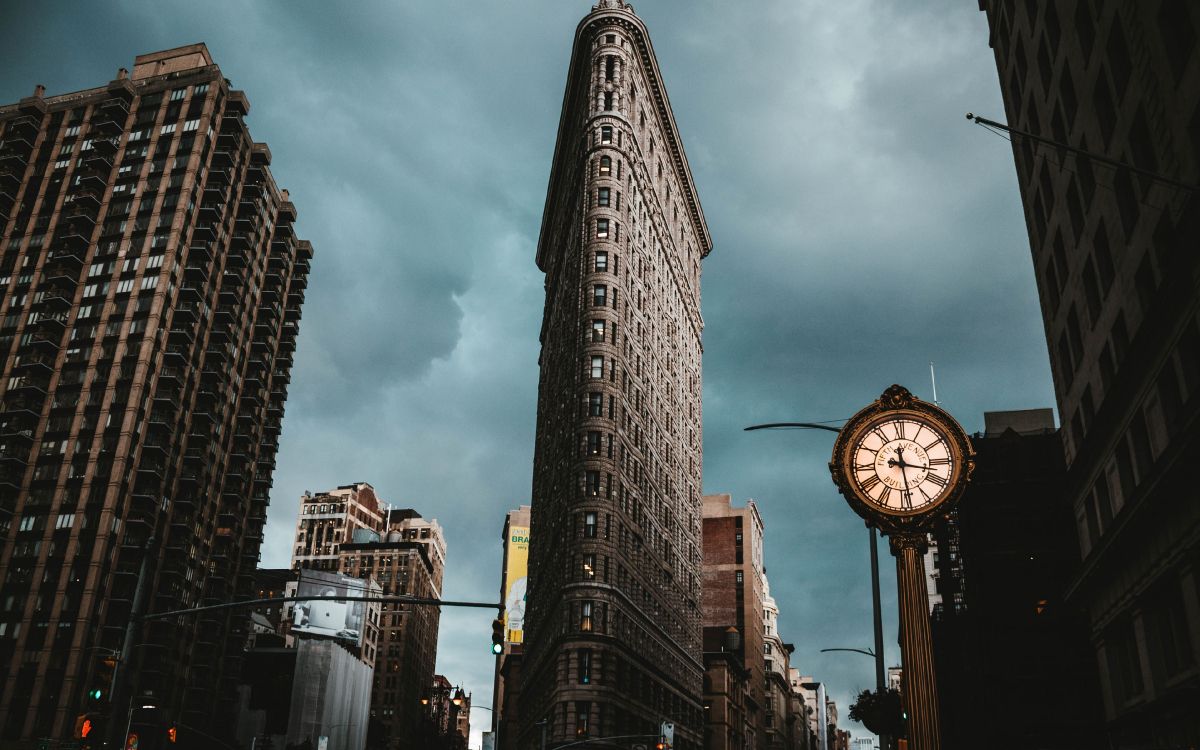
[(95, 694), (497, 648)]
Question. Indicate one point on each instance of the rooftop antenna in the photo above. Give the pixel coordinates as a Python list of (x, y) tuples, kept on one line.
[(933, 380)]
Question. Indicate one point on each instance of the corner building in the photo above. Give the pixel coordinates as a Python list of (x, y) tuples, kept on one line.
[(613, 634), (1114, 250), (152, 285)]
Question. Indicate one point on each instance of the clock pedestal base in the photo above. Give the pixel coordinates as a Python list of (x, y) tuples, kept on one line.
[(919, 682)]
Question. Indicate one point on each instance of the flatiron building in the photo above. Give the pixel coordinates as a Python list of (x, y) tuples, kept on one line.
[(613, 622)]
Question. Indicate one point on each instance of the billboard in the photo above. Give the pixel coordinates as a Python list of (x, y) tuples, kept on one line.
[(516, 578), (323, 616)]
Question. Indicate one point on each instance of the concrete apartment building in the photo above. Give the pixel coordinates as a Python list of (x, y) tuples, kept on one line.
[(350, 530), (327, 520), (152, 284), (1114, 251), (613, 639)]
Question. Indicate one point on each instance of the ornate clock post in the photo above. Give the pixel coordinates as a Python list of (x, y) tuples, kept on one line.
[(901, 463)]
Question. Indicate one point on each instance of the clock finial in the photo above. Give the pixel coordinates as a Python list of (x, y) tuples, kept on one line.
[(612, 5), (896, 397)]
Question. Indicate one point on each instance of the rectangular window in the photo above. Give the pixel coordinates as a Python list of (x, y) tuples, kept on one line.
[(585, 666), (597, 330), (589, 566), (149, 282), (602, 228), (597, 367), (191, 125), (605, 166), (178, 94), (602, 197), (124, 286), (601, 262), (591, 483), (585, 616), (593, 443), (167, 129), (599, 295), (589, 524), (606, 134), (608, 101), (595, 404)]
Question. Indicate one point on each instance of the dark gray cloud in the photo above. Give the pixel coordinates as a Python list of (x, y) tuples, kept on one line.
[(862, 229)]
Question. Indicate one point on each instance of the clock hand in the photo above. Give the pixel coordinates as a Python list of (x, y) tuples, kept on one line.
[(903, 473)]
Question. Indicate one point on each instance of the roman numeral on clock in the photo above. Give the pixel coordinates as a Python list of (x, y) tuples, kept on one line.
[(937, 479), (869, 483)]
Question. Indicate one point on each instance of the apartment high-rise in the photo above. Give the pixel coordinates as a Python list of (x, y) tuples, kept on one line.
[(152, 284), (1114, 251), (613, 631)]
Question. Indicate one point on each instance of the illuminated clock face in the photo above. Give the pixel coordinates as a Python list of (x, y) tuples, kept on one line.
[(902, 463)]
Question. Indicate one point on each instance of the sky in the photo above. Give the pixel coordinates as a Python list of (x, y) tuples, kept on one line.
[(862, 227)]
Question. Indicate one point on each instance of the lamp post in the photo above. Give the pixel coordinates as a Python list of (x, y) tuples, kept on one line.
[(880, 672)]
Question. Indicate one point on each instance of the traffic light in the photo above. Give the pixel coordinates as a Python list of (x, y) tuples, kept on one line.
[(497, 636), (84, 726), (172, 734)]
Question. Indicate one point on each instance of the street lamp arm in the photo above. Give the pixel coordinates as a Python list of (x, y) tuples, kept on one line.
[(863, 651), (793, 425)]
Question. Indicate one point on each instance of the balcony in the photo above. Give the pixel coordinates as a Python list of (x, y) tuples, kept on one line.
[(116, 108), (16, 427), (26, 127), (75, 237), (55, 298), (52, 324), (105, 146), (90, 181), (176, 355), (97, 163), (10, 179), (106, 124), (197, 273), (204, 233), (14, 455), (86, 201), (34, 365), (42, 341), (210, 211), (200, 254), (15, 149), (11, 477)]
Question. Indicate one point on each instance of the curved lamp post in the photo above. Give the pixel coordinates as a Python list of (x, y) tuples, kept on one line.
[(880, 672)]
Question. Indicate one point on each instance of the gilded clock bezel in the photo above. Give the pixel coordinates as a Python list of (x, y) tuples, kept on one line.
[(898, 403)]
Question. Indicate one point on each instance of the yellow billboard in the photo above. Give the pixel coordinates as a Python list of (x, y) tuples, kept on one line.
[(516, 578)]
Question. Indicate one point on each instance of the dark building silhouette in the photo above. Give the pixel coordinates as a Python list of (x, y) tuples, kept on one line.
[(1114, 250), (613, 640), (152, 285), (1012, 655)]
